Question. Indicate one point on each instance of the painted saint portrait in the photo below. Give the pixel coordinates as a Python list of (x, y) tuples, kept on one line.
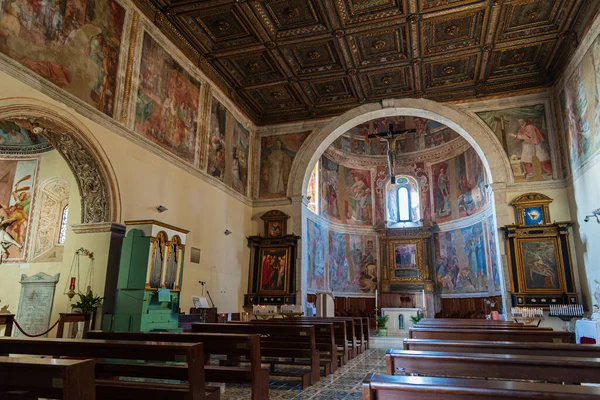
[(274, 270), (216, 140), (330, 189), (523, 132), (540, 264), (74, 44), (316, 238), (441, 192), (405, 255), (277, 154), (470, 183), (239, 158), (167, 102), (359, 207), (17, 183)]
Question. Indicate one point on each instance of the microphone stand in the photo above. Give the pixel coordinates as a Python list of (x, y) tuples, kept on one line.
[(210, 298)]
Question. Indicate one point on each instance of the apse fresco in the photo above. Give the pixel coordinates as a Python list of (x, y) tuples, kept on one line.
[(441, 191), (276, 157), (216, 140), (73, 44), (13, 136), (239, 158), (347, 194), (461, 260), (470, 183), (352, 263), (317, 240), (427, 134), (580, 107), (167, 102), (17, 183), (523, 133), (493, 253)]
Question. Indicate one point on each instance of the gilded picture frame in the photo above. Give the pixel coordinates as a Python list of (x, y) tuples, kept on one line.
[(274, 270), (406, 261), (539, 265), (532, 209)]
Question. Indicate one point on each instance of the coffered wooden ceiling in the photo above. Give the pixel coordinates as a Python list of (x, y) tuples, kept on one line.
[(283, 60)]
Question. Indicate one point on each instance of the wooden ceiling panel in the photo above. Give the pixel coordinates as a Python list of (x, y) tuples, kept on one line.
[(285, 60)]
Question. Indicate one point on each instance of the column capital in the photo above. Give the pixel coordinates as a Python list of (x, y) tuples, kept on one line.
[(98, 227)]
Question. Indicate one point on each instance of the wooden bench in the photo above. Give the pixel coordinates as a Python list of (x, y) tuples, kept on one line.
[(502, 366), (385, 387), (476, 325), (523, 348), (366, 331), (189, 356), (351, 335), (494, 335), (458, 321), (340, 336), (37, 377), (230, 345), (324, 338), (279, 345)]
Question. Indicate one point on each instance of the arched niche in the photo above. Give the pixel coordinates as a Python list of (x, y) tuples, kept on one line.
[(96, 181)]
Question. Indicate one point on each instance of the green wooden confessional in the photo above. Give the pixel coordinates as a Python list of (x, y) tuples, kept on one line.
[(150, 276)]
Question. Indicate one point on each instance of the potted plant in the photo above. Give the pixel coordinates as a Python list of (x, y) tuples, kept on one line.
[(416, 318), (87, 303), (382, 321)]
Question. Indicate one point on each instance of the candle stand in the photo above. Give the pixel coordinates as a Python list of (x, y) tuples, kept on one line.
[(567, 313)]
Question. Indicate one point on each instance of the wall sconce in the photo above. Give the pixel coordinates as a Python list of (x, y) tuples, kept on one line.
[(161, 209), (227, 232), (595, 213)]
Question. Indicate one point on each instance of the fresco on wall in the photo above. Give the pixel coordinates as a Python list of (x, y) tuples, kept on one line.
[(239, 160), (15, 137), (17, 183), (312, 189), (441, 192), (276, 157), (329, 189), (470, 183), (420, 173), (493, 253), (580, 107), (461, 260), (73, 44), (381, 184), (523, 132), (438, 135), (317, 239), (352, 263), (167, 102), (216, 140), (359, 206)]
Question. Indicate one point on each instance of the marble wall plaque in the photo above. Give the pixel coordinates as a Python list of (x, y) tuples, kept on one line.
[(35, 303)]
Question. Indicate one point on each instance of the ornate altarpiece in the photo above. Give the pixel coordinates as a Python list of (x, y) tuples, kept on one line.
[(405, 259), (539, 255), (272, 270)]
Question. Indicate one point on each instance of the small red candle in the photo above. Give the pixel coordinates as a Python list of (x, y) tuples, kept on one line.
[(72, 284)]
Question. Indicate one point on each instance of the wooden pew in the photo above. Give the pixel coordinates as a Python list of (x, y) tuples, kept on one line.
[(278, 341), (458, 321), (236, 345), (37, 377), (494, 335), (473, 324), (523, 348), (130, 351), (366, 331), (340, 336), (324, 338), (501, 366), (385, 387), (351, 335)]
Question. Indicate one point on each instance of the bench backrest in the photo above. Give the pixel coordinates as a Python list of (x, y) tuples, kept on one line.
[(498, 334)]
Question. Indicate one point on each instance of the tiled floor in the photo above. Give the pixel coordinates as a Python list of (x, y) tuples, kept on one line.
[(344, 384)]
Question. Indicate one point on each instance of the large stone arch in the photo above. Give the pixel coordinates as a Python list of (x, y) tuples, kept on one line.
[(472, 129), (96, 180)]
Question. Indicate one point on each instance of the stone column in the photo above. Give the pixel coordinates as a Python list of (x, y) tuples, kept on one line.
[(298, 226)]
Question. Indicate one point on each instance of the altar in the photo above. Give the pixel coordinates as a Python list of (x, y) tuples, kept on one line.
[(399, 320)]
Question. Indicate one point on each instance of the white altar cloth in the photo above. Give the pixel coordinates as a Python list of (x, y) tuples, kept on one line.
[(587, 328)]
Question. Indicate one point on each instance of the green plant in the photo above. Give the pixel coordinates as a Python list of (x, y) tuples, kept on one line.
[(416, 318), (87, 303), (382, 321)]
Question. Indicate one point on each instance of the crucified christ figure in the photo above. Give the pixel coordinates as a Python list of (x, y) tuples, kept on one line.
[(391, 137)]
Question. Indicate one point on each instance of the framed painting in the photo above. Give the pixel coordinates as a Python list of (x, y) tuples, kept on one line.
[(275, 223), (406, 259), (274, 270), (540, 263), (532, 209)]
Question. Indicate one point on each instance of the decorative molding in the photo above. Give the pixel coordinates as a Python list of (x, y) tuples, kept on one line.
[(466, 221), (99, 227)]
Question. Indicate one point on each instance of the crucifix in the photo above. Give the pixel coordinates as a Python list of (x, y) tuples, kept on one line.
[(391, 137)]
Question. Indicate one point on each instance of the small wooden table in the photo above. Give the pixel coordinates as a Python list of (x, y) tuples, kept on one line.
[(8, 320), (73, 317)]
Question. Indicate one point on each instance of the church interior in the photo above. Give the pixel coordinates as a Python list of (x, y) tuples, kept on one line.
[(299, 199)]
